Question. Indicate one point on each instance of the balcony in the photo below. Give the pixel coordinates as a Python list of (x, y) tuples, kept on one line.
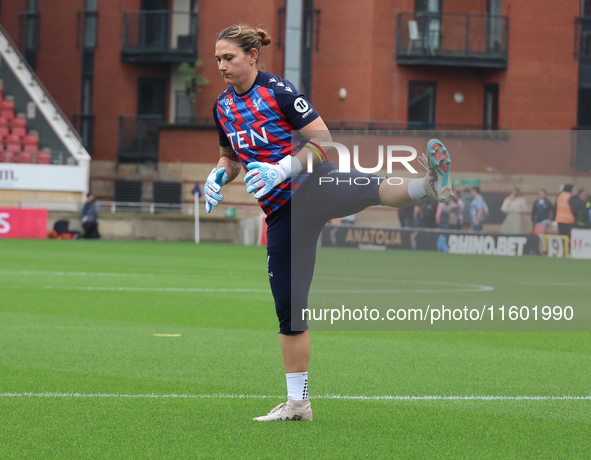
[(159, 36), (138, 138), (452, 39), (583, 40)]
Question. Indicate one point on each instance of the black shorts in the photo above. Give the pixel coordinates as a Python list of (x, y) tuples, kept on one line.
[(293, 232)]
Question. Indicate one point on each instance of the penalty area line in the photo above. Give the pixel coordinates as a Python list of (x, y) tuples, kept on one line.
[(363, 398)]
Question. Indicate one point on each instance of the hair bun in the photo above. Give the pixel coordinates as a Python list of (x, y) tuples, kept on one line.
[(264, 37)]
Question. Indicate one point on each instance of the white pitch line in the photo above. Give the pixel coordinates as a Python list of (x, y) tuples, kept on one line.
[(134, 289), (552, 284), (364, 398), (462, 286), (29, 272), (313, 291)]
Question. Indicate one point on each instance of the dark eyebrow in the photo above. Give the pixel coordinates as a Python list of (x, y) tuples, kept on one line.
[(225, 55)]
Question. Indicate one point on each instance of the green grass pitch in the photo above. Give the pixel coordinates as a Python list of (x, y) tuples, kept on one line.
[(79, 318)]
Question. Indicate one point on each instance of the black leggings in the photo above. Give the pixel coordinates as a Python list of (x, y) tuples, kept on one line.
[(293, 232)]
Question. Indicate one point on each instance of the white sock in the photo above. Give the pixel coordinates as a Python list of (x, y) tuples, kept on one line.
[(297, 386), (416, 189)]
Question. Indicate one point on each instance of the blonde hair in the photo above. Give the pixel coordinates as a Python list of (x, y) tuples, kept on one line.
[(245, 37), (516, 193)]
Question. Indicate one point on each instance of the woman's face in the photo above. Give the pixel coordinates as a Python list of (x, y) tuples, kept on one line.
[(234, 64)]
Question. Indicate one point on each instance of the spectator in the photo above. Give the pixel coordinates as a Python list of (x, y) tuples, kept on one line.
[(450, 213), (466, 198), (418, 220), (564, 214), (406, 216), (90, 212), (429, 209), (478, 210), (579, 206), (542, 210), (462, 205), (514, 206)]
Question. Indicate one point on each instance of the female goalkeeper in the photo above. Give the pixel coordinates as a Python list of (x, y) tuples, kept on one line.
[(255, 117)]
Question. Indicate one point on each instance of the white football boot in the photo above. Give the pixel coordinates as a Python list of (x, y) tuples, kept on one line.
[(290, 410)]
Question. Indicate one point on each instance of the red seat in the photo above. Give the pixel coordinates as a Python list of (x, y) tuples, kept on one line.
[(7, 157), (4, 129), (7, 109), (30, 143), (43, 158), (19, 126), (25, 157), (13, 142), (1, 93)]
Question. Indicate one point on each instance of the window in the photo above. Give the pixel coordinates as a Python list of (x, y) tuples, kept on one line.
[(128, 191), (307, 44), (85, 119), (586, 8), (421, 105), (491, 107), (430, 20), (90, 23), (432, 6), (29, 32), (584, 115)]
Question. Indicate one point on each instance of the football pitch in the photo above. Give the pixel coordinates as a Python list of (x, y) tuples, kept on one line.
[(136, 350)]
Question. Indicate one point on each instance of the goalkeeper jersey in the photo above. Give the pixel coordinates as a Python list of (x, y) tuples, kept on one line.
[(258, 125)]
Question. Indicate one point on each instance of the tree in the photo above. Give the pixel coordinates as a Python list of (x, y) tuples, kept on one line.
[(192, 80)]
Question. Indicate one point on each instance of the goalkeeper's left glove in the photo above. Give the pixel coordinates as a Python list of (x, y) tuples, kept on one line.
[(262, 177)]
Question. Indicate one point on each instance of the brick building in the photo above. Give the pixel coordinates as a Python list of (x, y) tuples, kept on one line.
[(469, 69)]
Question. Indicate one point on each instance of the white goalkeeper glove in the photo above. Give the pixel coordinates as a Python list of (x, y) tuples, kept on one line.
[(215, 181), (262, 177)]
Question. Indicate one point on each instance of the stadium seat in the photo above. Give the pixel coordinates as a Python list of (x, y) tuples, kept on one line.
[(1, 92), (13, 142), (7, 157), (30, 143), (19, 126), (7, 109), (25, 157), (4, 128), (43, 158)]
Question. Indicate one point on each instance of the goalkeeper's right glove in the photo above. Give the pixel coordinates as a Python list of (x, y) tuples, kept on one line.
[(216, 179)]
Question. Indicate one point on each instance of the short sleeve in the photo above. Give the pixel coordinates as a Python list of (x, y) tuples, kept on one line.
[(297, 109), (221, 133)]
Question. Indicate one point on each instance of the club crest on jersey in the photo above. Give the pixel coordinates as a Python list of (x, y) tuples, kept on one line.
[(228, 101), (257, 103)]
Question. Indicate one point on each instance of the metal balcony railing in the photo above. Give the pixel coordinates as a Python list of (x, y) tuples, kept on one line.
[(138, 138), (159, 36), (471, 40)]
